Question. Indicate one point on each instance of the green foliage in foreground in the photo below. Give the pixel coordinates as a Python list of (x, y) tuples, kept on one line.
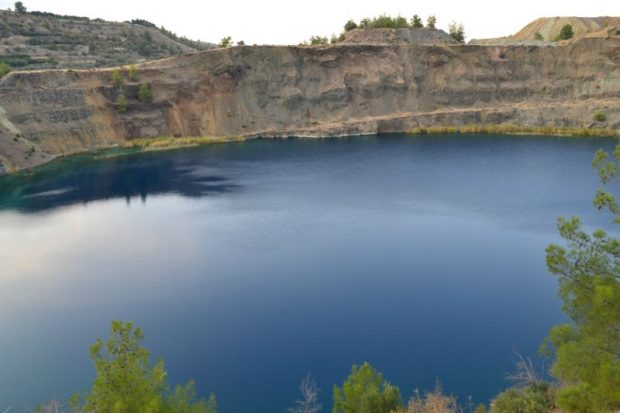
[(127, 381), (365, 391), (587, 350), (534, 398), (4, 70)]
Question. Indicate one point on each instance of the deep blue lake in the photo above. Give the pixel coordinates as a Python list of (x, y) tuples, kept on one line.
[(250, 265)]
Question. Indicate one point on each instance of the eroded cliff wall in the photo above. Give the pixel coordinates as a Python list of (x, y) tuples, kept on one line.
[(302, 91)]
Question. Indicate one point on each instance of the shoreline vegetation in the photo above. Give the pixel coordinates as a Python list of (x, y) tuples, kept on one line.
[(169, 142), (165, 143), (511, 129)]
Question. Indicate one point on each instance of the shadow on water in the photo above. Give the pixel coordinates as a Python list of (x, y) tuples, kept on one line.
[(82, 180)]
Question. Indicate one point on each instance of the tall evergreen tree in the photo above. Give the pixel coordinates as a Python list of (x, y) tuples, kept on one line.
[(127, 382), (366, 391), (587, 350)]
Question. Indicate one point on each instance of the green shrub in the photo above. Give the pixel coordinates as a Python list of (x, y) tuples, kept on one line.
[(457, 32), (535, 398), (145, 93), (350, 26), (565, 33), (20, 8), (385, 22), (431, 22), (4, 70), (388, 22), (600, 116), (144, 23), (117, 78), (133, 73), (538, 36), (121, 102), (366, 391), (416, 22), (145, 48), (318, 41), (225, 42)]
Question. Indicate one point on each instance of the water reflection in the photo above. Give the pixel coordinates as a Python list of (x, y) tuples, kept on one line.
[(66, 183), (414, 254)]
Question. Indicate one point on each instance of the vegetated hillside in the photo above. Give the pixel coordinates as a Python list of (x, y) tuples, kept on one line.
[(547, 29), (279, 91), (38, 40)]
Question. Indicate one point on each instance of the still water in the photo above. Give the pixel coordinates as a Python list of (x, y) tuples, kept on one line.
[(250, 265)]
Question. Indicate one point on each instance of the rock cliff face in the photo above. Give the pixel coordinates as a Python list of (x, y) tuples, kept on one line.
[(303, 91), (398, 36)]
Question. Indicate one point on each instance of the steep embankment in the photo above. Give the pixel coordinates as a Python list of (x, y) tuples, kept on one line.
[(398, 36), (303, 91), (547, 29)]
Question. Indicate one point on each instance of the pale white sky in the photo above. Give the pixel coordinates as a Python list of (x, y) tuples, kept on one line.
[(292, 21)]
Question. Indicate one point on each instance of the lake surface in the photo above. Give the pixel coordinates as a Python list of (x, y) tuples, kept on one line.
[(250, 265)]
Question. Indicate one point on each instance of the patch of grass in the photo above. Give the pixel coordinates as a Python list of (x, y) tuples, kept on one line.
[(166, 142), (600, 116), (509, 129)]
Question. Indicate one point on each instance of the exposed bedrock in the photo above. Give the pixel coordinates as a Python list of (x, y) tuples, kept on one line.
[(302, 91)]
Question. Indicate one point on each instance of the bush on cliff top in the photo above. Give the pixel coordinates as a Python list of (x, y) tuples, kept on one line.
[(457, 32), (565, 33)]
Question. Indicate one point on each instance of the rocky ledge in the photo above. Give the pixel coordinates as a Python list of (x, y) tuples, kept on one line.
[(345, 89)]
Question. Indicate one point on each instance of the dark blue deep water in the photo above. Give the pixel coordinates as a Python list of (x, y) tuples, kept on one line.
[(250, 265)]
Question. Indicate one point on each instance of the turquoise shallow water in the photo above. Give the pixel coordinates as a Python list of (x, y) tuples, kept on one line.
[(250, 265)]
